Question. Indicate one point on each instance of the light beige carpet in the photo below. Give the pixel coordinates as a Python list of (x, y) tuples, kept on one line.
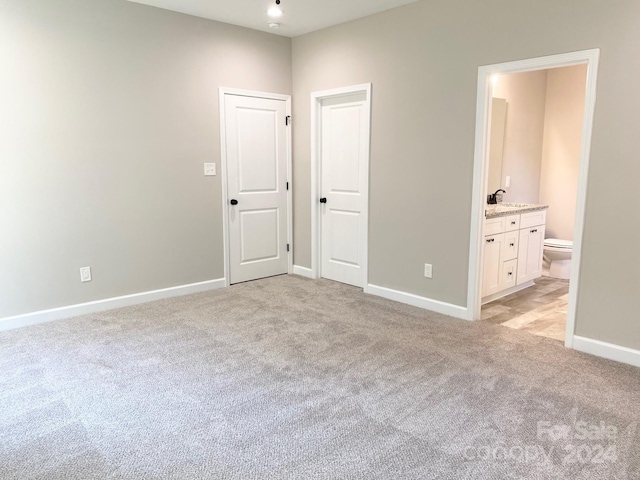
[(289, 378)]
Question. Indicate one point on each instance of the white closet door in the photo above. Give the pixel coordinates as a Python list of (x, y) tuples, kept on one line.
[(344, 184), (256, 144)]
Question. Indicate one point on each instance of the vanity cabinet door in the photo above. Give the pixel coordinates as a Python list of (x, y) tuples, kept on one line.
[(530, 250), (491, 280)]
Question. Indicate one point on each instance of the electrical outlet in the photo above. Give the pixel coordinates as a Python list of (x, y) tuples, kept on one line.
[(210, 169), (85, 274), (507, 182), (428, 270)]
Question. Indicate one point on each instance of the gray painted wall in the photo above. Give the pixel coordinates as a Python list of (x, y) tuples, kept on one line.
[(108, 110), (423, 62)]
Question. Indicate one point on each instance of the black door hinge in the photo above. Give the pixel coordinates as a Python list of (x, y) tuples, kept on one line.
[(288, 247), (287, 120)]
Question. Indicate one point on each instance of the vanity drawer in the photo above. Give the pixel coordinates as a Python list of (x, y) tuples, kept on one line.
[(512, 223), (509, 249), (532, 219), (493, 226), (508, 278)]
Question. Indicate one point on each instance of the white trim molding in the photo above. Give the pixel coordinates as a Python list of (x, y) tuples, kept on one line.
[(607, 350), (316, 174), (420, 302), (508, 291), (223, 170), (61, 313), (303, 271), (480, 170)]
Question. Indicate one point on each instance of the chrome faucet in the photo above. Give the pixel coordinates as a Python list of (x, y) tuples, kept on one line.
[(492, 198)]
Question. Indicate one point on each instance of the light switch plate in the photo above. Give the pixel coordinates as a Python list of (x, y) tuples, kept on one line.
[(85, 274), (210, 169), (428, 270), (507, 182)]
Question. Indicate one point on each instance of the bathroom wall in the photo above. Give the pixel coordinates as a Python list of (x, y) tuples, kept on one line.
[(522, 155), (545, 112), (564, 114)]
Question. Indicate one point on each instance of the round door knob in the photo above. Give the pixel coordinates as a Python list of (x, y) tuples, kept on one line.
[(234, 201), (323, 200)]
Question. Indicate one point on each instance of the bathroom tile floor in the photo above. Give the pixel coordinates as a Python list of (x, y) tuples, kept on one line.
[(540, 309)]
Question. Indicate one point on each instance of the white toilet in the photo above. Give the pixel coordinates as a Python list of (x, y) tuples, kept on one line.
[(558, 253)]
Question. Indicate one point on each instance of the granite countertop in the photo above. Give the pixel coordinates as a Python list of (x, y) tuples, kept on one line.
[(504, 209)]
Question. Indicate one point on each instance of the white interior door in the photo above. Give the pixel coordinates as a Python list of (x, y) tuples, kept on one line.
[(344, 169), (256, 153)]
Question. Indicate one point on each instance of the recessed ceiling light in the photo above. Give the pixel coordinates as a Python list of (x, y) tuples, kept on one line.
[(274, 25), (275, 12)]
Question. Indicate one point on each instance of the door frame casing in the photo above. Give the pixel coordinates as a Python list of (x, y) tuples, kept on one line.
[(481, 167), (223, 171), (316, 174)]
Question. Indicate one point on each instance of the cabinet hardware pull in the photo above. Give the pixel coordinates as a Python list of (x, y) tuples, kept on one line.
[(534, 231), (512, 244), (513, 223)]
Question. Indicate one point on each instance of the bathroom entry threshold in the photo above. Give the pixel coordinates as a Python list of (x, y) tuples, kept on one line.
[(539, 310), (481, 167)]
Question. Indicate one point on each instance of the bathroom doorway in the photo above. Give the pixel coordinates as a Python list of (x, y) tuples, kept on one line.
[(528, 134)]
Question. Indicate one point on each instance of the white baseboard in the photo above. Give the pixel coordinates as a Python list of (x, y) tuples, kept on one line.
[(508, 291), (43, 316), (421, 302), (607, 350), (303, 271)]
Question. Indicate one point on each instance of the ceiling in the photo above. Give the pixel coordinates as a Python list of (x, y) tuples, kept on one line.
[(300, 16)]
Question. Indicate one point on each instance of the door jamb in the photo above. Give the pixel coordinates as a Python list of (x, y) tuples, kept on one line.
[(316, 177), (223, 172), (480, 171)]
